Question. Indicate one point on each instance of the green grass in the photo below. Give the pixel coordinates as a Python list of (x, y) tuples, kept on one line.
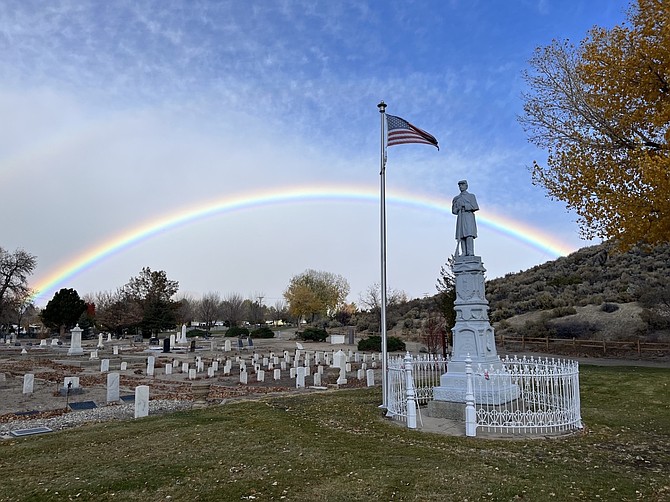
[(337, 447)]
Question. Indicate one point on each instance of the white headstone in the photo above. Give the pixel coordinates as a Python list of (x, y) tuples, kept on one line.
[(28, 383), (75, 343), (215, 365), (141, 401), (342, 379), (43, 342), (227, 346), (260, 376), (192, 374), (24, 351), (109, 337), (73, 380), (317, 379), (371, 377), (94, 354), (100, 344), (104, 365), (112, 387), (54, 342), (210, 372), (173, 340), (168, 368), (292, 372), (243, 375), (300, 377), (124, 366), (277, 374), (115, 348), (184, 367), (360, 374)]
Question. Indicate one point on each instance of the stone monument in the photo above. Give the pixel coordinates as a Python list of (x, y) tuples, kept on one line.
[(473, 335), (75, 342)]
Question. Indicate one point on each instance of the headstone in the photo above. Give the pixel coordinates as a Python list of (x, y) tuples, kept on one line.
[(94, 354), (277, 374), (243, 375), (260, 376), (54, 342), (192, 349), (43, 342), (115, 350), (24, 352), (113, 380), (215, 365), (75, 343), (104, 365), (168, 368), (282, 365), (360, 374), (210, 372), (371, 377), (317, 379), (141, 401), (166, 345), (319, 369), (300, 377), (342, 379), (292, 372), (28, 383), (184, 367), (71, 380), (124, 366), (192, 374), (227, 346), (173, 340), (109, 337), (100, 344)]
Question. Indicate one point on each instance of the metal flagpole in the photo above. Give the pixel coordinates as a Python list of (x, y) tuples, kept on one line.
[(382, 324)]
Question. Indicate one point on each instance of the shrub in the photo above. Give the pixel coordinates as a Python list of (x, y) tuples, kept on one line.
[(312, 335), (196, 332), (237, 331), (609, 307), (374, 343), (262, 332)]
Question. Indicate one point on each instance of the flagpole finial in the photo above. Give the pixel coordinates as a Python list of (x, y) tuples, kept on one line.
[(382, 107)]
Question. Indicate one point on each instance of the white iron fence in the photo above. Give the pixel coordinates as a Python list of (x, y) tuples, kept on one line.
[(524, 396)]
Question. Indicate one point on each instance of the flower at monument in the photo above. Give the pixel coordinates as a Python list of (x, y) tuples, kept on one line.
[(399, 131)]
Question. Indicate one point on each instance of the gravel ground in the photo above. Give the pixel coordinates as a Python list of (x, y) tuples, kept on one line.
[(102, 414)]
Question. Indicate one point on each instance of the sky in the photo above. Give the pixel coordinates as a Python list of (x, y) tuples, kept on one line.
[(236, 144)]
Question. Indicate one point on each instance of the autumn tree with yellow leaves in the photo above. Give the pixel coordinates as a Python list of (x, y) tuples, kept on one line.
[(602, 112)]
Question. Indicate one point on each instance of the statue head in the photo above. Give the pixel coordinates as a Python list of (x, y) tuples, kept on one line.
[(463, 185)]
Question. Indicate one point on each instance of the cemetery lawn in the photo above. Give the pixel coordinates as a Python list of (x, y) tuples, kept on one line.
[(335, 446)]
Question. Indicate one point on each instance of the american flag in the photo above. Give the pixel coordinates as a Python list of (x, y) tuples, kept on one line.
[(400, 131)]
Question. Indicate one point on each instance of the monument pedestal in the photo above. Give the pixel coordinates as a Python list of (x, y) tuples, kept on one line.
[(473, 337)]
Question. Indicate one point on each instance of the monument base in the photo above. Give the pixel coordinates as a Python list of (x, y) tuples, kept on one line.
[(447, 410), (497, 391), (75, 351)]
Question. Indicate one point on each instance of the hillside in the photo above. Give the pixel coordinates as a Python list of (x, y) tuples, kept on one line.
[(596, 292)]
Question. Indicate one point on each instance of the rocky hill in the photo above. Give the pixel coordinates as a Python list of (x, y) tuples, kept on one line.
[(596, 292)]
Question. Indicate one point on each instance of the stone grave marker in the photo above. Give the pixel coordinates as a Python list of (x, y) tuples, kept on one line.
[(192, 374), (113, 381), (168, 368), (300, 377), (317, 379), (371, 377), (28, 383), (141, 401), (277, 374), (124, 366), (104, 365)]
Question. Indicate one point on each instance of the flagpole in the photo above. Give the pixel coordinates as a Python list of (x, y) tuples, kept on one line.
[(382, 324)]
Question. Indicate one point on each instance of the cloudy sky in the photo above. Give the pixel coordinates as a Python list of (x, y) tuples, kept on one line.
[(235, 144)]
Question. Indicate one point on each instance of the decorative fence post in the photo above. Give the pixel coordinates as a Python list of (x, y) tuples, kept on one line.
[(470, 413), (411, 398)]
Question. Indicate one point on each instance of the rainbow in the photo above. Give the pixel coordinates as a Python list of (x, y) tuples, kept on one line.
[(293, 195)]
